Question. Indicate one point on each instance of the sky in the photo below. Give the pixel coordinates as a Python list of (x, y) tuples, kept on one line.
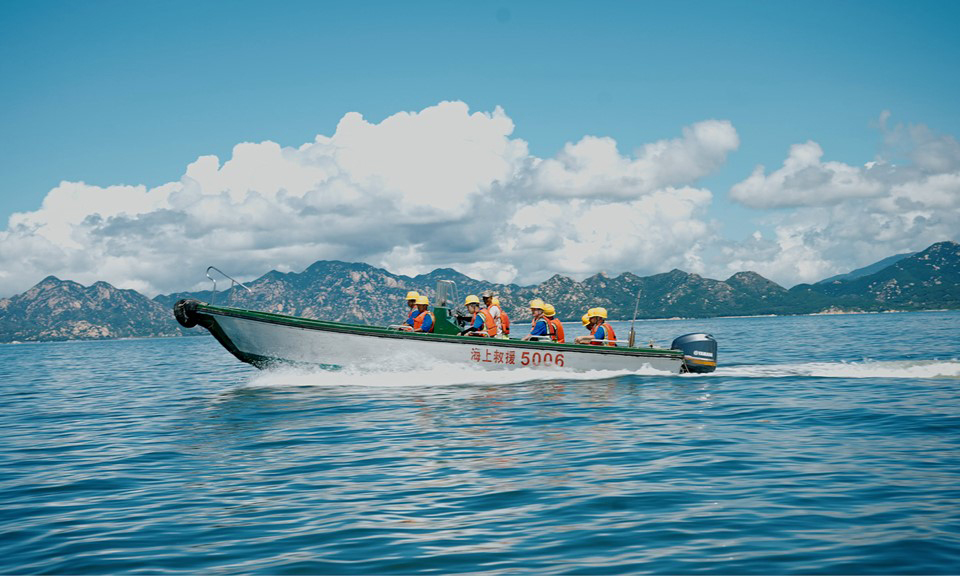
[(141, 142)]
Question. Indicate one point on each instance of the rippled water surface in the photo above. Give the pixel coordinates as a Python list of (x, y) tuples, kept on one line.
[(823, 444)]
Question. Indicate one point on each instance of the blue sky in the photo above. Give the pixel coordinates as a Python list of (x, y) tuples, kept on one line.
[(131, 93)]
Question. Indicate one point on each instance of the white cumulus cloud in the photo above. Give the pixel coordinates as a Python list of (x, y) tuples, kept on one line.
[(593, 167), (804, 180), (440, 187), (834, 217)]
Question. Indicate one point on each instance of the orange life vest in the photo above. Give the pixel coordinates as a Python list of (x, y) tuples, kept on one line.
[(593, 332), (608, 334), (488, 323), (504, 322), (556, 330), (498, 317), (418, 321)]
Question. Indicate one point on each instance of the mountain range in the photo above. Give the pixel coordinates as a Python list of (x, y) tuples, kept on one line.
[(58, 309)]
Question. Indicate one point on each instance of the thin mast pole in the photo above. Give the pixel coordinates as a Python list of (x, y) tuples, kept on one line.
[(633, 334)]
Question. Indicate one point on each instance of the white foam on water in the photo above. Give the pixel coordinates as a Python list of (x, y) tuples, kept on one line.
[(864, 369), (422, 373)]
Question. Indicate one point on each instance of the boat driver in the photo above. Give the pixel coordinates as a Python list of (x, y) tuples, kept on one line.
[(481, 324), (539, 327)]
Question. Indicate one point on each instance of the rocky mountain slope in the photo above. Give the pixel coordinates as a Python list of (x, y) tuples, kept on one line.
[(350, 292), (58, 309), (928, 279), (867, 270), (359, 293)]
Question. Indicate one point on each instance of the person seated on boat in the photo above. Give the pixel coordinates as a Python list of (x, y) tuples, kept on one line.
[(555, 327), (481, 322), (539, 327), (424, 321), (603, 334), (588, 323), (412, 303), (493, 309), (504, 320)]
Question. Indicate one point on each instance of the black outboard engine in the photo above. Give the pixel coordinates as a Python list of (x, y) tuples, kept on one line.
[(699, 352)]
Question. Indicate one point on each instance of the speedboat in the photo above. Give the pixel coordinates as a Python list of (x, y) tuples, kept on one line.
[(265, 339)]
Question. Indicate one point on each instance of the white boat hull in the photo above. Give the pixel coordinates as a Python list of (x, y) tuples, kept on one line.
[(262, 339), (301, 345)]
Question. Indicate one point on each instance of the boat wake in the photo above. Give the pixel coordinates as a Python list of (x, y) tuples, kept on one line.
[(864, 369)]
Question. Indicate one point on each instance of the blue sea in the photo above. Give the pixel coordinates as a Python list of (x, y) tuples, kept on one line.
[(822, 445)]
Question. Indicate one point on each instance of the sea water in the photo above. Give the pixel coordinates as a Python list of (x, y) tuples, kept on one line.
[(824, 444)]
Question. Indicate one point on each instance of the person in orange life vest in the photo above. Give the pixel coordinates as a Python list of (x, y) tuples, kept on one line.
[(481, 324), (504, 319), (412, 303), (424, 320), (555, 327), (539, 327), (603, 334), (588, 322), (493, 309)]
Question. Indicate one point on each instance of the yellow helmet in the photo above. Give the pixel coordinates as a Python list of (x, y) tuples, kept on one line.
[(548, 310), (585, 319), (536, 303), (471, 299), (601, 312), (495, 301), (413, 295), (423, 300)]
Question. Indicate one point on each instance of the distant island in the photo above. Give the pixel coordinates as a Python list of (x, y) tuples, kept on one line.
[(57, 309)]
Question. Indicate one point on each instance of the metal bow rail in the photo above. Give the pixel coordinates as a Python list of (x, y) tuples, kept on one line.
[(233, 282)]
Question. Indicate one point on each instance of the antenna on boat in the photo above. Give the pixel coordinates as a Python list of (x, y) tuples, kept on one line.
[(633, 334)]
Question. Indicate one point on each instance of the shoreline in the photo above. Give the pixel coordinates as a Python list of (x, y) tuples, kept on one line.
[(824, 313), (571, 322)]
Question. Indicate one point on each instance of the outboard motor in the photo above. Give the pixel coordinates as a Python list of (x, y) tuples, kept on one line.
[(699, 352)]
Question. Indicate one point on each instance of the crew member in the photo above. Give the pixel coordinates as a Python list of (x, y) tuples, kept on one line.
[(588, 323), (493, 309), (481, 324), (424, 320), (603, 334), (504, 319), (555, 327), (539, 327), (412, 303)]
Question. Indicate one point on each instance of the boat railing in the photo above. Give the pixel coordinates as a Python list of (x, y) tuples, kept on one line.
[(547, 338), (233, 282)]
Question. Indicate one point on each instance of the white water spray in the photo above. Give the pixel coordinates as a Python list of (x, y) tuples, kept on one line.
[(864, 369), (425, 373)]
